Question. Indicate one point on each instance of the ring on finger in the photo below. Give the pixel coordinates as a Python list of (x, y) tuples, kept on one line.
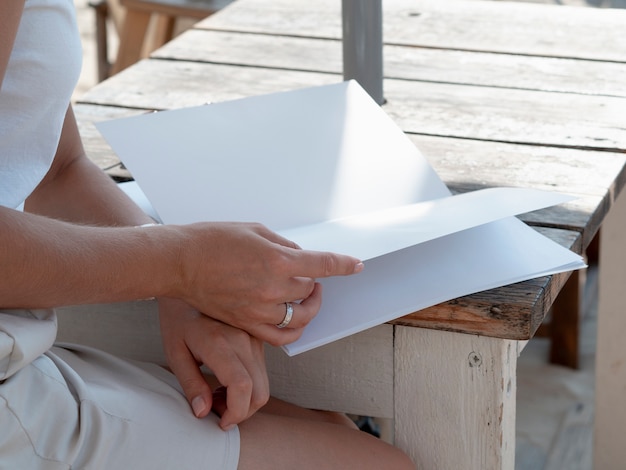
[(288, 315)]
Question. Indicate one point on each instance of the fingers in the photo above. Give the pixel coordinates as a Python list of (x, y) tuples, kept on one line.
[(303, 313), (315, 264), (193, 383), (236, 359), (241, 371), (274, 237), (180, 359), (318, 264)]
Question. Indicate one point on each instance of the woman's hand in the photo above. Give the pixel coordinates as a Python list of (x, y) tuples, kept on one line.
[(243, 274), (235, 358)]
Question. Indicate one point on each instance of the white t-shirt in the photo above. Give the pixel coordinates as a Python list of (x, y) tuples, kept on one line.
[(42, 72)]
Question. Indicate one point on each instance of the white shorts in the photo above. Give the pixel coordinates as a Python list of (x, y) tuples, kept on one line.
[(80, 408)]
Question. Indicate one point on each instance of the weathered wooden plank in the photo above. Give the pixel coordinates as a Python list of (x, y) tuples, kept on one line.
[(471, 112), (505, 27), (128, 329), (148, 85), (410, 63), (463, 164), (327, 377), (455, 399), (610, 413), (516, 116), (467, 165)]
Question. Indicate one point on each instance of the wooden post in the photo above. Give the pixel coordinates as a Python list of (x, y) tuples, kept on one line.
[(363, 45), (454, 399), (609, 450)]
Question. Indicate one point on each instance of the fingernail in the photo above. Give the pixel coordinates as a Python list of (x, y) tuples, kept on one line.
[(198, 406), (359, 267), (228, 427)]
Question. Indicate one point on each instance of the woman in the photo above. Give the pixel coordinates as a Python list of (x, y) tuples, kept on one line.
[(69, 236)]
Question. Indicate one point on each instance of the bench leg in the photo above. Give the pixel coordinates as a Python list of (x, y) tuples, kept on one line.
[(609, 450), (131, 39), (162, 33), (454, 399), (565, 324)]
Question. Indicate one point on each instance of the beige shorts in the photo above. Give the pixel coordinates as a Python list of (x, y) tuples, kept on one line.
[(76, 407)]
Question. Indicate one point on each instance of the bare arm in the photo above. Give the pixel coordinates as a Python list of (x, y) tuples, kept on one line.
[(76, 244), (238, 273)]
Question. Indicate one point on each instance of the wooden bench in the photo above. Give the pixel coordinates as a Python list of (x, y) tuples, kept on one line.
[(492, 100)]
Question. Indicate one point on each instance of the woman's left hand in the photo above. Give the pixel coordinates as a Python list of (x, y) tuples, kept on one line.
[(237, 360)]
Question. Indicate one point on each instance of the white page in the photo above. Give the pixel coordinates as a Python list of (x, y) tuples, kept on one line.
[(312, 157), (284, 159), (375, 234), (481, 258)]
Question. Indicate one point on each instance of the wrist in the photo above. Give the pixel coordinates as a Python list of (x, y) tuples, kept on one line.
[(166, 246)]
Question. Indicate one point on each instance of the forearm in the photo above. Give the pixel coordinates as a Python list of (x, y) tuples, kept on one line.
[(86, 195), (47, 263), (241, 274)]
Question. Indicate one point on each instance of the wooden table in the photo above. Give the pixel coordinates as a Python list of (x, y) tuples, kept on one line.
[(494, 94)]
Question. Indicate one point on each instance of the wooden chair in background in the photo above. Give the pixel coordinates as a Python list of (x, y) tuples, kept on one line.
[(143, 26)]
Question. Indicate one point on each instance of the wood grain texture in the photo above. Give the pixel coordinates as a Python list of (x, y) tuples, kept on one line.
[(353, 375), (467, 165), (502, 27), (610, 412), (402, 62), (455, 399), (515, 116)]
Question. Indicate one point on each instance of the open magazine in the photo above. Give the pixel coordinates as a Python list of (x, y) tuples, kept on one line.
[(328, 169)]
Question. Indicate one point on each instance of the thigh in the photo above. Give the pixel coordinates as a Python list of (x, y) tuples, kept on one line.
[(280, 442)]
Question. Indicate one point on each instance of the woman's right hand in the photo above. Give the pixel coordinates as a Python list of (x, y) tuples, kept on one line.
[(243, 274)]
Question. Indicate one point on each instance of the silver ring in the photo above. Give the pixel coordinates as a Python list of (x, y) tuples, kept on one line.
[(288, 315)]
